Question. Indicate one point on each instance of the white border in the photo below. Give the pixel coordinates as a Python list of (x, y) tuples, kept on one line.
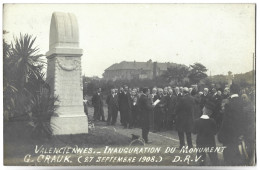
[(136, 1)]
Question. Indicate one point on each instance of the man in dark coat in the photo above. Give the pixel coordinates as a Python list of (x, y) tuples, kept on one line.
[(204, 98), (250, 131), (159, 111), (184, 117), (206, 129), (112, 104), (217, 115), (97, 102), (125, 108), (153, 97), (197, 100), (119, 96), (145, 110), (165, 108), (171, 104), (233, 128), (135, 113), (134, 108)]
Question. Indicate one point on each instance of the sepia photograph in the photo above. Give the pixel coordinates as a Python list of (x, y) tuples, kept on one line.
[(146, 84)]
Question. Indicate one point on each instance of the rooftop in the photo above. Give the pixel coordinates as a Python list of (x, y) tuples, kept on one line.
[(133, 65)]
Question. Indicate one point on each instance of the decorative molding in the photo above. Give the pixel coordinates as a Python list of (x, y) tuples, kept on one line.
[(74, 65), (81, 79)]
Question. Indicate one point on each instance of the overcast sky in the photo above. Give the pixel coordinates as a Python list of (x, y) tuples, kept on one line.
[(220, 36)]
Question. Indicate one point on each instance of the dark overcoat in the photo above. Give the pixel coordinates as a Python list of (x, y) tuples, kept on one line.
[(112, 102), (160, 108), (234, 122), (171, 104), (145, 108), (206, 129), (184, 113), (125, 102), (197, 109), (97, 100), (204, 100), (120, 94)]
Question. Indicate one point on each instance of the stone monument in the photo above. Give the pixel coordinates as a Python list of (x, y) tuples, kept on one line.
[(64, 75)]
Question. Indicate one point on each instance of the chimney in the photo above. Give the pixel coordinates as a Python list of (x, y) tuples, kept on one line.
[(154, 70)]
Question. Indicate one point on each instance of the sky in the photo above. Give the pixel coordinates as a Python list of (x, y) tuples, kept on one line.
[(220, 36)]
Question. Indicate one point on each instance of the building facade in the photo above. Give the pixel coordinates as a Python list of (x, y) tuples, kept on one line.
[(136, 70)]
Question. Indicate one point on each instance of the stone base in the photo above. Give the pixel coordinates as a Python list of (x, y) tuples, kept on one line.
[(66, 125)]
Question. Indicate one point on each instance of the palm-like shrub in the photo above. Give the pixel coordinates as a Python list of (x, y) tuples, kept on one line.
[(26, 94), (9, 89), (44, 107), (25, 59), (22, 63)]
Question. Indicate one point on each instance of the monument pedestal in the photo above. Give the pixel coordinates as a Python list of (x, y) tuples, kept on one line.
[(66, 125), (69, 120), (64, 75)]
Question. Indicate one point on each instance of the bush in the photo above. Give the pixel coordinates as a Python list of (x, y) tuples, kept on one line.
[(42, 111)]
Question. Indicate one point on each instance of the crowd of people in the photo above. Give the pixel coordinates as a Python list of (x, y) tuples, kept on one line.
[(229, 114)]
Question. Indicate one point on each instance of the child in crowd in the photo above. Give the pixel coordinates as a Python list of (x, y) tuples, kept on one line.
[(206, 129)]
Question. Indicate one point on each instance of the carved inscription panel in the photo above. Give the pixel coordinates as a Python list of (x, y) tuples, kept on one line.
[(68, 81)]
